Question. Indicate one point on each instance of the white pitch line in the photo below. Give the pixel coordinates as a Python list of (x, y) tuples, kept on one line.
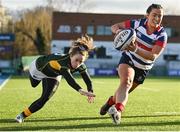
[(150, 89), (98, 82), (167, 113), (2, 85)]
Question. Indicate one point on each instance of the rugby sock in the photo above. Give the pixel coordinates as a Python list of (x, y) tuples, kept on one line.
[(26, 112), (111, 101), (119, 107)]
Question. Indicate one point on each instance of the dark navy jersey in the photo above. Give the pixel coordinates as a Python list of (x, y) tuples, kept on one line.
[(54, 65)]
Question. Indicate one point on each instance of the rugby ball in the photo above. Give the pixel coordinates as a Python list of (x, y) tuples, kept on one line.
[(124, 38)]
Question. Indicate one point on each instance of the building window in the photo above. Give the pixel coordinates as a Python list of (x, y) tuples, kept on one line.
[(90, 30), (100, 30), (104, 30), (108, 30), (77, 29), (64, 29), (168, 31)]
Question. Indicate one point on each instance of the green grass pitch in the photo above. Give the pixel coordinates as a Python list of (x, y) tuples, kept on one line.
[(154, 106)]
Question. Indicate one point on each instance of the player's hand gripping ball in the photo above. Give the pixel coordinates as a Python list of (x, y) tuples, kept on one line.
[(124, 38)]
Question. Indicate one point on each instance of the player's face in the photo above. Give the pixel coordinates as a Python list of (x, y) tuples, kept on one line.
[(155, 18), (77, 60)]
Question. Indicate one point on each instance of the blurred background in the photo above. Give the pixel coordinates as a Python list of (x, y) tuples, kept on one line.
[(29, 28)]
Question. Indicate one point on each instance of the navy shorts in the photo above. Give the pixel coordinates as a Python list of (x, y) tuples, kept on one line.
[(140, 74)]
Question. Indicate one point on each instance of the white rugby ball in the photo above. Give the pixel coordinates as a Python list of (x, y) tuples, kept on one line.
[(124, 38)]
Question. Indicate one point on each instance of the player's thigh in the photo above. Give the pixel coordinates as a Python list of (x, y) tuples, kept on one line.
[(50, 86), (126, 73)]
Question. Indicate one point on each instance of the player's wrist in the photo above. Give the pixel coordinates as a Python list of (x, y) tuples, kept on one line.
[(90, 91), (80, 90), (136, 49), (117, 31)]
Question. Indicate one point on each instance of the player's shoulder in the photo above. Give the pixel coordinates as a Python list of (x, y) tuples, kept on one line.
[(140, 20), (82, 67)]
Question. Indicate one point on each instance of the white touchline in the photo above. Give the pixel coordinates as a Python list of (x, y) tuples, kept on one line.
[(98, 82), (167, 113), (150, 89), (6, 80)]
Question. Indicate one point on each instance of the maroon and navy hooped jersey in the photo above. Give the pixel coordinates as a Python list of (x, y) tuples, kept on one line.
[(145, 41)]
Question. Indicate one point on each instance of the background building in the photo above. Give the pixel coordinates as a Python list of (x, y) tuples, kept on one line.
[(68, 26), (7, 39)]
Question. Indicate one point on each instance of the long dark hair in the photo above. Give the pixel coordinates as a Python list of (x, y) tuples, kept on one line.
[(153, 6)]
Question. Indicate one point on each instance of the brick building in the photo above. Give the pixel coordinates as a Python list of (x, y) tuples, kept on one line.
[(71, 25), (68, 26)]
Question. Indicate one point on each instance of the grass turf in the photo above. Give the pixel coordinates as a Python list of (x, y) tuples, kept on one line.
[(154, 106)]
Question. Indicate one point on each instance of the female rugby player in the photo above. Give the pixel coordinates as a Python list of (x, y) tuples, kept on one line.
[(138, 58), (50, 68)]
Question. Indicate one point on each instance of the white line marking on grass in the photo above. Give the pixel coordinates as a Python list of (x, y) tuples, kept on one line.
[(167, 113), (98, 82), (6, 80), (150, 89)]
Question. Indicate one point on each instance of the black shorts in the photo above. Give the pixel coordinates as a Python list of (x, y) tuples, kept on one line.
[(140, 74)]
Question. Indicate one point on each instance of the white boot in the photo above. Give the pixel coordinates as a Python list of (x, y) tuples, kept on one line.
[(19, 118), (115, 115)]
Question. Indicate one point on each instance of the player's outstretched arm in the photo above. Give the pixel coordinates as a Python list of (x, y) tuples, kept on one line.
[(85, 93)]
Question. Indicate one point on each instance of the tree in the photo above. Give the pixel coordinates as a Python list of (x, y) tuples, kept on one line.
[(33, 31), (38, 41), (33, 28)]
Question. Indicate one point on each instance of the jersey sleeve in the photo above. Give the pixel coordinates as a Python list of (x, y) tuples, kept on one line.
[(134, 23), (162, 40), (70, 79), (85, 75), (82, 68), (87, 80), (128, 24)]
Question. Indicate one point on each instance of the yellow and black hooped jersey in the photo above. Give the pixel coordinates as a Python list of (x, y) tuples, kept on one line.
[(54, 65)]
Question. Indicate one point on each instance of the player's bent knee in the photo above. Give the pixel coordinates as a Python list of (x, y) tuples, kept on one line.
[(126, 84)]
